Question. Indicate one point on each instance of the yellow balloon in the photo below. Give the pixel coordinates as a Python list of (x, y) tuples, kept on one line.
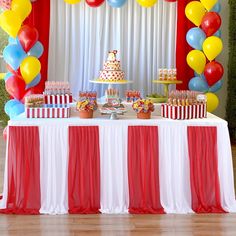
[(30, 68), (196, 60), (195, 12), (212, 102), (212, 47), (23, 7), (10, 22), (209, 4), (147, 3), (2, 76), (72, 1)]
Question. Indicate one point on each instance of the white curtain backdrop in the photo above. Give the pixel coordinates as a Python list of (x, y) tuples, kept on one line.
[(81, 36)]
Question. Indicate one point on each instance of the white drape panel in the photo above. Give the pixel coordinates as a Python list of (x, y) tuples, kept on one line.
[(174, 168), (54, 169), (81, 36), (114, 169), (225, 163)]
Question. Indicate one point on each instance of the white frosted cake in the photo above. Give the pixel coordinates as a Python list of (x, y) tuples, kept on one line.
[(112, 70)]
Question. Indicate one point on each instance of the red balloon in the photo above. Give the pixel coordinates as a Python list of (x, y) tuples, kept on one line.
[(213, 72), (211, 23), (94, 3), (28, 36), (14, 72), (15, 86)]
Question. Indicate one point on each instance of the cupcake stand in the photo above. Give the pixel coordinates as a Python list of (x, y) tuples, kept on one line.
[(166, 84)]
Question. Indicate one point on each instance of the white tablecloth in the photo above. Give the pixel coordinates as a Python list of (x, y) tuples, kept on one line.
[(175, 192)]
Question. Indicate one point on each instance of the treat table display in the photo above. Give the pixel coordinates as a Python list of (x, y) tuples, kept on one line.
[(60, 166)]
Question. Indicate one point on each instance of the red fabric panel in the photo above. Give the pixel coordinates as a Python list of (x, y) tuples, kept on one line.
[(184, 72), (84, 170), (40, 18), (23, 171), (205, 187), (143, 168)]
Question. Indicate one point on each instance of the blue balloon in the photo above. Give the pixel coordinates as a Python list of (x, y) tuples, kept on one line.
[(36, 50), (116, 3), (13, 40), (9, 105), (16, 110), (7, 76), (195, 38), (198, 84), (216, 8), (218, 34), (34, 82), (14, 54), (216, 87)]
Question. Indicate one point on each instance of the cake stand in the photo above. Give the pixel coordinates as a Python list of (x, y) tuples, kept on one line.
[(111, 83), (113, 113), (166, 84)]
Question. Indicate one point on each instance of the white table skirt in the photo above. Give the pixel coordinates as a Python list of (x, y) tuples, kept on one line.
[(175, 192)]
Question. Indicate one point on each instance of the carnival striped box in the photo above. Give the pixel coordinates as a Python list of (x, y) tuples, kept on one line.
[(47, 112), (58, 99), (184, 112)]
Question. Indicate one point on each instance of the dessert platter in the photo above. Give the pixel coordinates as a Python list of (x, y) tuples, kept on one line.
[(113, 105), (53, 103), (185, 105)]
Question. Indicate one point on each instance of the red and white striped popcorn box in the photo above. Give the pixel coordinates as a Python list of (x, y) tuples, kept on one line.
[(47, 112), (184, 112), (58, 99)]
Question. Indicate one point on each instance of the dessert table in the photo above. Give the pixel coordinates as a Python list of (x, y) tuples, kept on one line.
[(61, 166)]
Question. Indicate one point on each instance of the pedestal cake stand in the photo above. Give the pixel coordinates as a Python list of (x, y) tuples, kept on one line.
[(166, 84), (110, 83)]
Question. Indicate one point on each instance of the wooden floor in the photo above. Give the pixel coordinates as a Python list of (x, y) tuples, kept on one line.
[(118, 225)]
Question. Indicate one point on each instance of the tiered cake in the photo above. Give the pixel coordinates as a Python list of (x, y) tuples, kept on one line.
[(112, 70)]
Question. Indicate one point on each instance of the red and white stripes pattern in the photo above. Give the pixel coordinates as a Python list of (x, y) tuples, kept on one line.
[(184, 112), (47, 112), (130, 173), (58, 99)]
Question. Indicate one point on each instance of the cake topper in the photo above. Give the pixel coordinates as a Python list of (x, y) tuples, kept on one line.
[(112, 55)]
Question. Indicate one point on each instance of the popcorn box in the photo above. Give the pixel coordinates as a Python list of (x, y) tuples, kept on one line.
[(47, 112), (58, 99), (184, 112)]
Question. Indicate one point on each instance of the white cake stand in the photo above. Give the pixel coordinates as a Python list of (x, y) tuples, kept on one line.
[(111, 83)]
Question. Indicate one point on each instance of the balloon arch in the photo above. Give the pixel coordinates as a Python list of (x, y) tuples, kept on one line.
[(24, 50)]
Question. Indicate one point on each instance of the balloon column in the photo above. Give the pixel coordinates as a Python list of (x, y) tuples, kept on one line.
[(21, 55), (207, 45)]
